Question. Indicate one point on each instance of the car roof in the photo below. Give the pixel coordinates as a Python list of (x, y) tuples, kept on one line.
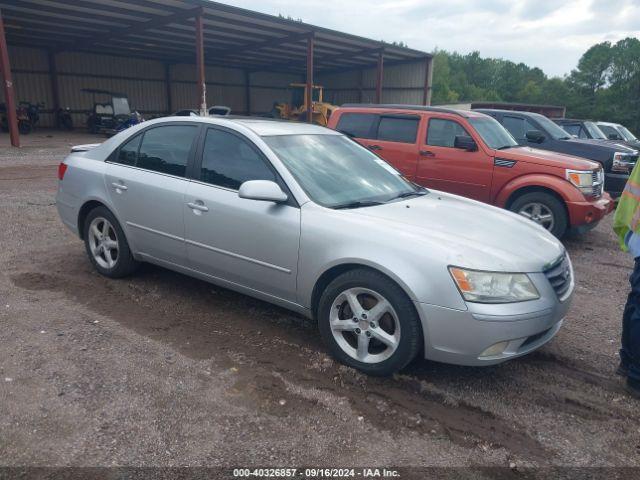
[(571, 120), (260, 126), (514, 112), (608, 124), (409, 108)]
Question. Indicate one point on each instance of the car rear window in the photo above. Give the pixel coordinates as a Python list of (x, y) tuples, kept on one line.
[(166, 149), (359, 125), (398, 129)]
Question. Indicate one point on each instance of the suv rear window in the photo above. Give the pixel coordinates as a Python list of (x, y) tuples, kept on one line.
[(359, 125), (398, 129)]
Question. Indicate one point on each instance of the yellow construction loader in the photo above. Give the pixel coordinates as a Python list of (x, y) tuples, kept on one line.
[(298, 109)]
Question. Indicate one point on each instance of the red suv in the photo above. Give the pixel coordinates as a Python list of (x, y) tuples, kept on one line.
[(471, 154)]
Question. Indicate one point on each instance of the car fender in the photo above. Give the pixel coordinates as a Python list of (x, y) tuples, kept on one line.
[(559, 186)]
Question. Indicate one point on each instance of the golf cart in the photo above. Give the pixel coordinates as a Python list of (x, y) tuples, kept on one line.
[(111, 115)]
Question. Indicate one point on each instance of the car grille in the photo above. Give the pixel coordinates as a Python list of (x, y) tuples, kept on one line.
[(598, 182), (560, 276)]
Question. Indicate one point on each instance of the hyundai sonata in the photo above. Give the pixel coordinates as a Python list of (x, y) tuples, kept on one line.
[(303, 217)]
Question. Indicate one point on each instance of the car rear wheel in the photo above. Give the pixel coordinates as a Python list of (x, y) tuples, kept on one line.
[(106, 244), (369, 323), (544, 209)]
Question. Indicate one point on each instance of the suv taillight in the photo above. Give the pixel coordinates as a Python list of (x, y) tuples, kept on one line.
[(62, 168)]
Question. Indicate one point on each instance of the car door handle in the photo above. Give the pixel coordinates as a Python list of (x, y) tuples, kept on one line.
[(375, 147), (199, 206), (119, 186), (427, 153)]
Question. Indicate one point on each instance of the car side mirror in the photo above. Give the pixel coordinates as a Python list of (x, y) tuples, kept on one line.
[(264, 190), (535, 136), (465, 142)]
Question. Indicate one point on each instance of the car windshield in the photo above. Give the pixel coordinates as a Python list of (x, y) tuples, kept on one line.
[(628, 136), (594, 131), (492, 133), (551, 127), (336, 172)]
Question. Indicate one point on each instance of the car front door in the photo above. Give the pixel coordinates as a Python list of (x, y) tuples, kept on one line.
[(146, 179), (247, 242), (444, 167)]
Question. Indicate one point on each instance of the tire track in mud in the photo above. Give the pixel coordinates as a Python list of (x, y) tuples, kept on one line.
[(206, 322)]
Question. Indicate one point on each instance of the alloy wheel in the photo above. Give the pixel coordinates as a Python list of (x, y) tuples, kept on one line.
[(365, 325), (539, 213), (103, 242)]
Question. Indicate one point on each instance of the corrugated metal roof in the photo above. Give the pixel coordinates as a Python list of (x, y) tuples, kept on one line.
[(165, 30)]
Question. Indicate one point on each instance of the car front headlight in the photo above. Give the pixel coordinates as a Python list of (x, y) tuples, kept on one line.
[(493, 287), (624, 162), (582, 180)]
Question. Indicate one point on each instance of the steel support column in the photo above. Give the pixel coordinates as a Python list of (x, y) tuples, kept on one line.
[(309, 89), (53, 76), (379, 77), (202, 87), (167, 86), (428, 80), (247, 91), (9, 96)]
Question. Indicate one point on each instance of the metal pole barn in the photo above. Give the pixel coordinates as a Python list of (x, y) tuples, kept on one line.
[(10, 101), (309, 89), (202, 87), (379, 77), (428, 77)]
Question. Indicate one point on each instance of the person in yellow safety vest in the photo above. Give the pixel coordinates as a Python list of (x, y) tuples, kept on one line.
[(626, 224)]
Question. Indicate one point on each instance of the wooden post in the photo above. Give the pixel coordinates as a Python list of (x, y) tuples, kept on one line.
[(379, 77), (10, 101), (202, 87), (428, 80), (167, 86), (309, 88), (247, 91)]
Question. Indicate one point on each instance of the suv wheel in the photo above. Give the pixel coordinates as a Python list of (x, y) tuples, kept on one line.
[(544, 209), (106, 244), (369, 323)]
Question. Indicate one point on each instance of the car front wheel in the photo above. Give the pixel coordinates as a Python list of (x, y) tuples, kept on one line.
[(369, 323), (544, 209)]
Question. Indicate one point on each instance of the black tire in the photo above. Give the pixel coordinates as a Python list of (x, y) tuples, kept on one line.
[(555, 206), (124, 264), (24, 128), (410, 341)]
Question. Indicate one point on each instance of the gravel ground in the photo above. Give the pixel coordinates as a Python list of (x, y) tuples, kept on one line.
[(164, 370)]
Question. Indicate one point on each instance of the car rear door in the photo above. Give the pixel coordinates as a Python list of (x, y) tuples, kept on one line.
[(248, 242), (454, 170), (396, 141), (146, 179)]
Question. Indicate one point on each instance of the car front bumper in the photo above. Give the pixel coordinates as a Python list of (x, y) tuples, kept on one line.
[(463, 336), (585, 215), (614, 183)]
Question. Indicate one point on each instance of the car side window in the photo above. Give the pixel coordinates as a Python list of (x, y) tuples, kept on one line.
[(403, 129), (515, 126), (442, 133), (358, 125), (229, 161), (128, 152), (166, 149), (573, 130)]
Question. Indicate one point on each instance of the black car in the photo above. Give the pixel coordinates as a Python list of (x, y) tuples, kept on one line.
[(537, 131)]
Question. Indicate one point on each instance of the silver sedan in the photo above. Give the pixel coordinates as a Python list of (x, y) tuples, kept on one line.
[(303, 217)]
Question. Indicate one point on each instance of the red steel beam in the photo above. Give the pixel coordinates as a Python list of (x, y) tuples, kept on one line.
[(201, 87), (428, 79), (379, 77), (10, 101), (309, 88)]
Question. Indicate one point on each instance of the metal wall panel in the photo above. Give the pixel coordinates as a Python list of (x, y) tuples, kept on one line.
[(23, 58), (77, 62)]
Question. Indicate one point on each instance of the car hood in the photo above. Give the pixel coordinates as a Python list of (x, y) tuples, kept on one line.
[(467, 233), (618, 146), (547, 157)]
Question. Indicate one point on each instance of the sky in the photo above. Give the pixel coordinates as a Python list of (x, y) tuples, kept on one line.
[(549, 34)]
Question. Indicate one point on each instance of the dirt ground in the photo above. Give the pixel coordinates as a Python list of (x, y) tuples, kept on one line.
[(162, 369)]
